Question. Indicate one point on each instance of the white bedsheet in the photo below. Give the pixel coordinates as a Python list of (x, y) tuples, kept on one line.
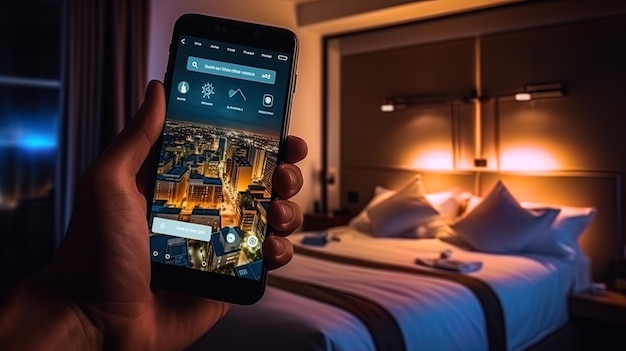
[(434, 314)]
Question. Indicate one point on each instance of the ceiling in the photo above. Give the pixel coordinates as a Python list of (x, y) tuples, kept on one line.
[(338, 16)]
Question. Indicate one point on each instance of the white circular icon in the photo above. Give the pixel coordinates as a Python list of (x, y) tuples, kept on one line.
[(230, 238), (183, 87), (167, 256), (155, 253), (253, 241), (203, 263)]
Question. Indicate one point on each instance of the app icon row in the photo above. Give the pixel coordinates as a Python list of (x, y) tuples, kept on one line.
[(208, 89)]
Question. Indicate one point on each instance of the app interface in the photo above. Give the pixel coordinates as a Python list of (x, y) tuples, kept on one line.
[(220, 148)]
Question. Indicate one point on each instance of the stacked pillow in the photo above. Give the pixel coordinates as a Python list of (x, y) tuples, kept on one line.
[(500, 224), (408, 211), (561, 239)]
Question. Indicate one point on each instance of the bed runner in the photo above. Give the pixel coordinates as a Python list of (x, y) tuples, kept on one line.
[(492, 308), (383, 327)]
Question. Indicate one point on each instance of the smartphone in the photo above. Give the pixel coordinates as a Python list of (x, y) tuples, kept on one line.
[(229, 87)]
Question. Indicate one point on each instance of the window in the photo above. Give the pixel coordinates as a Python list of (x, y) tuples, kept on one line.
[(30, 91)]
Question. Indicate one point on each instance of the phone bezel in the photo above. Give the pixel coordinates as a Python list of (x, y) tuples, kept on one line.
[(201, 283)]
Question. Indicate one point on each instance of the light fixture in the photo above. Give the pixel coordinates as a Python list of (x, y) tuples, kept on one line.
[(393, 104), (387, 107), (523, 97), (541, 91), (398, 103)]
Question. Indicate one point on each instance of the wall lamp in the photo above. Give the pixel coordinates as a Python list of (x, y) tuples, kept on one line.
[(398, 103), (540, 91), (530, 92)]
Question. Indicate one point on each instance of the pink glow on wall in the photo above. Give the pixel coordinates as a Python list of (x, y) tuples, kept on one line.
[(528, 158), (434, 159)]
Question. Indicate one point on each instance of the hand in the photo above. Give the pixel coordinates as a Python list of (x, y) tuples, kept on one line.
[(101, 273)]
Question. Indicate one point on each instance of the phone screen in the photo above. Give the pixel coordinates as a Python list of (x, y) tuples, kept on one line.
[(226, 119)]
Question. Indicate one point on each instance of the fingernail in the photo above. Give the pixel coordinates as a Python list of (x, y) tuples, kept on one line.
[(279, 247), (288, 214), (293, 178)]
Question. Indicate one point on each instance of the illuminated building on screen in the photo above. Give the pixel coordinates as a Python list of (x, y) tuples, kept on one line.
[(172, 213), (260, 221), (257, 164), (241, 174), (172, 186), (258, 191), (246, 215), (212, 166), (226, 245), (195, 164), (165, 164), (268, 170), (204, 192), (204, 216), (176, 151)]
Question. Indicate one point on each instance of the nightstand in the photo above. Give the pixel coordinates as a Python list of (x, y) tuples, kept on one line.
[(600, 320), (321, 221)]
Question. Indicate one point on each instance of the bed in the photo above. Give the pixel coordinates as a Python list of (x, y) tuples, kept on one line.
[(358, 287)]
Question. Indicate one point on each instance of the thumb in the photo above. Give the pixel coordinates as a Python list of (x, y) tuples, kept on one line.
[(131, 147)]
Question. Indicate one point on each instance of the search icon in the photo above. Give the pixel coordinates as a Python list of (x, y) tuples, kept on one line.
[(194, 64)]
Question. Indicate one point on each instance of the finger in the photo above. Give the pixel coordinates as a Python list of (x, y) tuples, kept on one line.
[(145, 176), (278, 251), (287, 180), (297, 149), (131, 147), (284, 217)]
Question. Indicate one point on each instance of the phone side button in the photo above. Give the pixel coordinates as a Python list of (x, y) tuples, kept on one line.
[(295, 83)]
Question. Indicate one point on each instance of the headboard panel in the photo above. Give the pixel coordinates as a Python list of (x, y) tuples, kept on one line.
[(602, 241)]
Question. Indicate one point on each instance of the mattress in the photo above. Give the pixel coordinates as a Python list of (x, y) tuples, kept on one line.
[(431, 313)]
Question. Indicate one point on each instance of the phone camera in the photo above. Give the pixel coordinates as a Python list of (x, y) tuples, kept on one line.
[(219, 28), (256, 34)]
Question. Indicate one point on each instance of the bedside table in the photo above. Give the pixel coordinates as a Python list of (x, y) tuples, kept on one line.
[(321, 221), (609, 307), (599, 319)]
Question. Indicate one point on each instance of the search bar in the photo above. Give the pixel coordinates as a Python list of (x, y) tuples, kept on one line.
[(231, 70)]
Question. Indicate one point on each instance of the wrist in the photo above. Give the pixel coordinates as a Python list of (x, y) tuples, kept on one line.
[(36, 317)]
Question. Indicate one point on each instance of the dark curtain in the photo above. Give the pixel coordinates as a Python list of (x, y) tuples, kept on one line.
[(105, 60)]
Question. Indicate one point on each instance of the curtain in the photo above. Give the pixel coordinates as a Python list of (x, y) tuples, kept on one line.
[(105, 60)]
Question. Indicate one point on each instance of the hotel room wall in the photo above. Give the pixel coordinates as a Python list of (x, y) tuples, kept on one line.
[(405, 138), (583, 131)]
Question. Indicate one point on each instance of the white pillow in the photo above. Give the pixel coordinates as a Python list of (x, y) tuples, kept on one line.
[(499, 224), (362, 220), (561, 238), (401, 212), (472, 202), (449, 204)]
